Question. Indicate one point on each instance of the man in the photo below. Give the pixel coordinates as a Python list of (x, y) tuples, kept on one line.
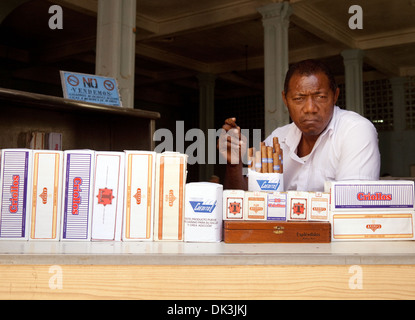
[(322, 143)]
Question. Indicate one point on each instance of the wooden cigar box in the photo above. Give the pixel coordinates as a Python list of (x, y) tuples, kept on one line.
[(276, 232)]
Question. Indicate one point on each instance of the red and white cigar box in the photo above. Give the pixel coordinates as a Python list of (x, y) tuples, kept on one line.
[(108, 196), (171, 170), (367, 225), (382, 195), (15, 182), (77, 195), (203, 212), (255, 205), (277, 206), (140, 172), (46, 194), (297, 204), (319, 207), (233, 204)]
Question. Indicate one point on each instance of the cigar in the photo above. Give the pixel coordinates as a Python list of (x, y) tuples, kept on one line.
[(258, 162), (269, 160), (264, 160), (251, 152)]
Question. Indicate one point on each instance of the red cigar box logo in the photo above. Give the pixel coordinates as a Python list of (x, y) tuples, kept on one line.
[(373, 227), (105, 196), (319, 209), (298, 208), (256, 208), (44, 196), (137, 196), (235, 207), (170, 198), (14, 191)]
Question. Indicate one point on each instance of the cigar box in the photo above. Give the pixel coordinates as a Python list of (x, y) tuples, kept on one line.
[(297, 204), (255, 205), (15, 180), (364, 225), (382, 195), (139, 195), (169, 196), (277, 206), (233, 204), (46, 191), (203, 212), (77, 195), (258, 181), (276, 232), (319, 207), (108, 199)]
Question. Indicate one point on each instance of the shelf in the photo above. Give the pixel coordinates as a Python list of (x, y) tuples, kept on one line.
[(35, 100)]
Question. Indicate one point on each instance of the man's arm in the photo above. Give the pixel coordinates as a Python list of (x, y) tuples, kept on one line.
[(232, 146)]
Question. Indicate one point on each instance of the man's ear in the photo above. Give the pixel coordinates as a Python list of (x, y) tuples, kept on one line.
[(284, 98), (336, 95)]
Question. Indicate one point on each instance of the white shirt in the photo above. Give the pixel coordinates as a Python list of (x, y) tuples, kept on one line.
[(346, 150)]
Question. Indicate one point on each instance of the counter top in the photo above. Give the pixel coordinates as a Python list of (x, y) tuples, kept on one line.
[(186, 253)]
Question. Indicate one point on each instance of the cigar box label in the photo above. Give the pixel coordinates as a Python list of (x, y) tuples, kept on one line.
[(373, 196), (139, 196), (77, 205), (46, 197), (14, 204), (256, 207), (319, 207), (298, 208), (373, 226), (106, 211), (171, 198), (234, 208), (277, 206)]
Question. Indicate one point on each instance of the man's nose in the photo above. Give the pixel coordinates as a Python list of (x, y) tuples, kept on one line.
[(310, 105)]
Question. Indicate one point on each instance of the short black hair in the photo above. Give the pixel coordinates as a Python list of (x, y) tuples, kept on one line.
[(307, 68)]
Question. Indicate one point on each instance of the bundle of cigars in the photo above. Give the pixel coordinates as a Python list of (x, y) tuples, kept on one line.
[(266, 159)]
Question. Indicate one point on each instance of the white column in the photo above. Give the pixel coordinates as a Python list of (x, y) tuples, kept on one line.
[(206, 118), (353, 63), (275, 19), (115, 56)]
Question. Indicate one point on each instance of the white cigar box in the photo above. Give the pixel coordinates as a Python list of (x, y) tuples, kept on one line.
[(366, 225), (265, 181), (46, 191), (171, 170), (382, 195), (277, 206), (319, 206), (203, 212), (77, 195), (15, 181), (255, 205), (233, 204), (140, 172), (108, 199), (297, 204)]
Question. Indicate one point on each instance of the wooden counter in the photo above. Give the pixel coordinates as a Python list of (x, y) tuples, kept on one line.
[(177, 270)]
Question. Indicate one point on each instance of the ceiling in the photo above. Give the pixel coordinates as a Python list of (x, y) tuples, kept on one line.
[(177, 39)]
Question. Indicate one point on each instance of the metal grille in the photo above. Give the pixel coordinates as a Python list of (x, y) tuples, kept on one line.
[(378, 103), (410, 103)]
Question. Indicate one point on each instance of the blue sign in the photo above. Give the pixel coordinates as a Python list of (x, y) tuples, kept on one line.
[(90, 88)]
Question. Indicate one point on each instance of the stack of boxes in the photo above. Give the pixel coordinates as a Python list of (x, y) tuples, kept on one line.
[(84, 195), (372, 210)]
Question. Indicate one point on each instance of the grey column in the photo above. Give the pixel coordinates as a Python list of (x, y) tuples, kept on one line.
[(353, 63), (275, 18), (115, 55)]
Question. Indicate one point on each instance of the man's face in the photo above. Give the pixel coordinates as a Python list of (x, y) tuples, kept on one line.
[(310, 102)]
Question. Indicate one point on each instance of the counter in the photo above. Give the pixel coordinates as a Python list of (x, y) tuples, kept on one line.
[(178, 270)]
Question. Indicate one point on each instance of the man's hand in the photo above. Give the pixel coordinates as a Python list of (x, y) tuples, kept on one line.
[(231, 143)]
